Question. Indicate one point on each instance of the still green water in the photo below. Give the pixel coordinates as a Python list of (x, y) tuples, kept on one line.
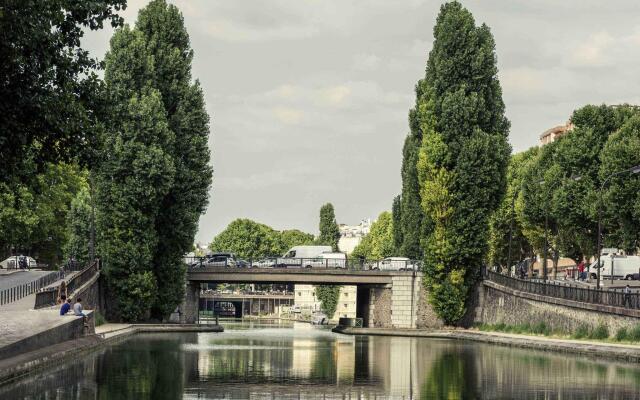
[(300, 361)]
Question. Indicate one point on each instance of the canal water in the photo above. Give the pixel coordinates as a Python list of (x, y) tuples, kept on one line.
[(298, 361)]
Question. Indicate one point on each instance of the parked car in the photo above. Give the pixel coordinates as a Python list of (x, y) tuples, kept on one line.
[(396, 264), (13, 262), (217, 260), (264, 263), (326, 260)]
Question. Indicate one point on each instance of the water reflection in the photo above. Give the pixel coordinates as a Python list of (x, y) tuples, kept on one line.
[(282, 361)]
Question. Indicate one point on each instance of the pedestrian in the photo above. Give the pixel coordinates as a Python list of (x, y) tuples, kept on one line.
[(627, 296), (581, 270), (77, 308), (22, 260), (66, 306)]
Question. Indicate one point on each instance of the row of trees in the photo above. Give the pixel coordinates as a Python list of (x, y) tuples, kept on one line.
[(125, 157), (463, 193), (562, 182)]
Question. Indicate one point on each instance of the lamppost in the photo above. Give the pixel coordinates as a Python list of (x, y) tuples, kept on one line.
[(546, 225), (633, 170), (513, 201)]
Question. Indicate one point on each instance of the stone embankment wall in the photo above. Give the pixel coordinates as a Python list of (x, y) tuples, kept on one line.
[(504, 305)]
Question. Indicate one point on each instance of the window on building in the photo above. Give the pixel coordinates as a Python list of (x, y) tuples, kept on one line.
[(299, 293), (346, 294), (345, 305)]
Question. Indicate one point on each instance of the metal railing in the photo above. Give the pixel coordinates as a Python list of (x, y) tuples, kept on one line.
[(49, 296), (16, 293), (317, 262), (614, 298)]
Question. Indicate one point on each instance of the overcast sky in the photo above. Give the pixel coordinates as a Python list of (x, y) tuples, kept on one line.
[(308, 99)]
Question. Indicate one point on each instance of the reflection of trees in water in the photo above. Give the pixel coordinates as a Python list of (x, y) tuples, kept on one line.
[(239, 359), (145, 367), (69, 381), (452, 376)]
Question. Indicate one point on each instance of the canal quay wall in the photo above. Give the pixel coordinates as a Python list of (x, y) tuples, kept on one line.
[(25, 363), (500, 304), (622, 352)]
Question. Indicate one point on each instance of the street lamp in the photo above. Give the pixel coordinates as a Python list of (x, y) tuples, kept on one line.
[(513, 201), (546, 224), (633, 170)]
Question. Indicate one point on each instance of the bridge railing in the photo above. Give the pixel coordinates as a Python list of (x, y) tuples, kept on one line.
[(49, 296), (317, 262), (615, 298)]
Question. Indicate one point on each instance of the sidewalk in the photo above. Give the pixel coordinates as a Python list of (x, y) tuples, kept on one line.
[(29, 301)]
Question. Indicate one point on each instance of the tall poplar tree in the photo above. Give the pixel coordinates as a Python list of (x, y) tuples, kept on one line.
[(412, 219), (167, 41), (463, 158), (329, 231), (396, 217), (155, 104)]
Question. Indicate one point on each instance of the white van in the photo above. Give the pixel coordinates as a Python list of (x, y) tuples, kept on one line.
[(298, 256), (620, 266), (13, 263)]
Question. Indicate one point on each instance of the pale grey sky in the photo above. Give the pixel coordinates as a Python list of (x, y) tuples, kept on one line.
[(308, 99)]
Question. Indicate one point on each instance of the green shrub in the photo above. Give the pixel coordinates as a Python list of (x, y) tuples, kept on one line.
[(600, 333), (99, 318), (582, 332), (501, 327), (541, 329), (622, 335), (634, 334)]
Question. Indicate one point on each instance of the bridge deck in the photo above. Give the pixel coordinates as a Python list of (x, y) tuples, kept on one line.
[(311, 276)]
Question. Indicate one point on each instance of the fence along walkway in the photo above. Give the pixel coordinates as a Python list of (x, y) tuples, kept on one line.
[(49, 296), (613, 298), (18, 292)]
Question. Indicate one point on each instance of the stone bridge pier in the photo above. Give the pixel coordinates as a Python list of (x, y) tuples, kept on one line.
[(394, 305)]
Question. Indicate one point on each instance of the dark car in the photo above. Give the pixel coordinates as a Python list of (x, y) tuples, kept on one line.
[(632, 277)]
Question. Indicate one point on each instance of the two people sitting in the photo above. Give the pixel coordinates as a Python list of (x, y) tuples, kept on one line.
[(66, 306)]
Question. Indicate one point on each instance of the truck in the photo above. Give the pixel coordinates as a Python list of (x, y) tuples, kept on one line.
[(305, 256), (616, 264)]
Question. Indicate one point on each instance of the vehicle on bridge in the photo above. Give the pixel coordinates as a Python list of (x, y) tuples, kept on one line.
[(616, 264), (306, 256), (219, 260), (395, 264)]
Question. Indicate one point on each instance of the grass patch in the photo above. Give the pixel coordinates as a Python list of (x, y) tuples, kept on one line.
[(537, 329), (99, 318), (601, 332), (634, 334), (581, 333), (622, 335)]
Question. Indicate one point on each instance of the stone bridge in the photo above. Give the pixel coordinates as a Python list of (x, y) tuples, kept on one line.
[(384, 298)]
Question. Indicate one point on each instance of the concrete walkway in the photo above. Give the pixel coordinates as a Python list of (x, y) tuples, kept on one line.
[(28, 302)]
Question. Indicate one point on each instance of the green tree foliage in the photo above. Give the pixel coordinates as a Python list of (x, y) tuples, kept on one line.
[(378, 244), (248, 240), (621, 197), (131, 184), (329, 231), (396, 217), (412, 216), (505, 217), (148, 78), (252, 240), (48, 83), (33, 211), (463, 159), (79, 227), (328, 296), (167, 41), (562, 183), (294, 237)]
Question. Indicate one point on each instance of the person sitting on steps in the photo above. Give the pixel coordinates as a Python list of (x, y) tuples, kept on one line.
[(66, 305)]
